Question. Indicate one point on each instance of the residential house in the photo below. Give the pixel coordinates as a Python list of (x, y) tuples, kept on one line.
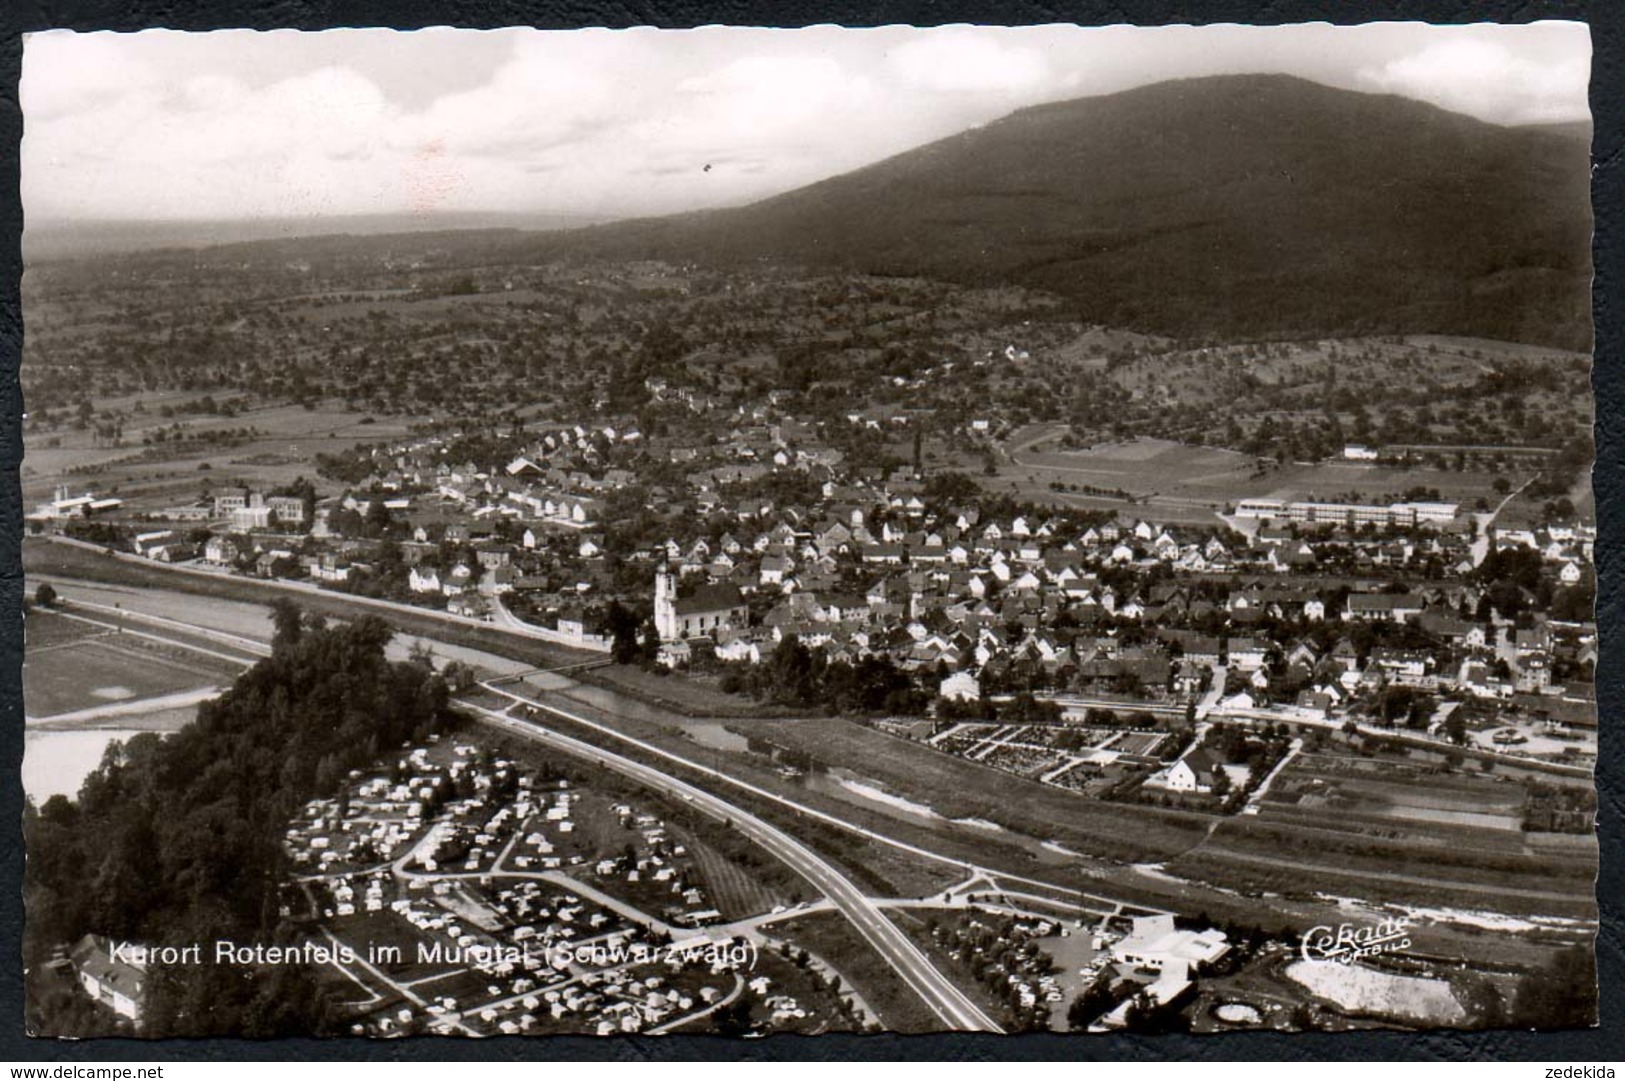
[(114, 976)]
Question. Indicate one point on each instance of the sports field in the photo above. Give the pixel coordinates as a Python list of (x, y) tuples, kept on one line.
[(1173, 475), (70, 666)]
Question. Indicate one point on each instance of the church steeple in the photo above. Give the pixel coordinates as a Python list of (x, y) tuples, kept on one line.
[(666, 604)]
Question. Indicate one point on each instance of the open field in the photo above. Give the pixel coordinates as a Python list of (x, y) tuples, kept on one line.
[(680, 694), (45, 630), (98, 673), (378, 935), (149, 478), (1313, 788), (1176, 476), (82, 670)]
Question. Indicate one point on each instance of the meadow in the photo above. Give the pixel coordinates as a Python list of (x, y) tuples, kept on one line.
[(1170, 477), (283, 447)]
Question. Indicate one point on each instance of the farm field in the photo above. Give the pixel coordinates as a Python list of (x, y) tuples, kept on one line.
[(1206, 479), (1314, 788), (149, 478)]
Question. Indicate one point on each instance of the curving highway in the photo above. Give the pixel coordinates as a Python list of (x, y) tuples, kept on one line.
[(951, 1005)]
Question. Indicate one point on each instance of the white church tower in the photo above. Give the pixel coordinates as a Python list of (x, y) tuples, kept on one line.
[(666, 605)]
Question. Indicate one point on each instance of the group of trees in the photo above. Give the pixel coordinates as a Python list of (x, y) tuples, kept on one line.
[(1023, 708), (1005, 959), (177, 841), (1556, 808), (796, 676), (1518, 581)]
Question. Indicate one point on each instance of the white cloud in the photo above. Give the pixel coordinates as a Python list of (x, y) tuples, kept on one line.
[(210, 144), (966, 61), (543, 95), (1487, 80), (65, 73)]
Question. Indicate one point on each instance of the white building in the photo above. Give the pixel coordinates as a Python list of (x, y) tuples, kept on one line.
[(1156, 944), (961, 687), (709, 610), (113, 980)]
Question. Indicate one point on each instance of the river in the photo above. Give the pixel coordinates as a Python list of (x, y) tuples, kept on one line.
[(57, 757), (56, 762)]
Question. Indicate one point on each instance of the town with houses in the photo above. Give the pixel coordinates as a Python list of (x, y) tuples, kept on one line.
[(1305, 611)]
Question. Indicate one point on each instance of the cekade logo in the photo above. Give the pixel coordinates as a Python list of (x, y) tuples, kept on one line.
[(1347, 943)]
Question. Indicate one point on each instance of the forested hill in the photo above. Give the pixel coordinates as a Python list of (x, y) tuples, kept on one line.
[(178, 841), (1246, 206)]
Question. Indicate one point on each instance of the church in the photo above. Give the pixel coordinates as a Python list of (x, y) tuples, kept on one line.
[(707, 610)]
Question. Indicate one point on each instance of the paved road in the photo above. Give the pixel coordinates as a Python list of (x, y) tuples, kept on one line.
[(803, 810), (511, 626), (1485, 522), (951, 1005)]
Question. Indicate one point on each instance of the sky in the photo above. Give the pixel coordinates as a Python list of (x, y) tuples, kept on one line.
[(167, 126)]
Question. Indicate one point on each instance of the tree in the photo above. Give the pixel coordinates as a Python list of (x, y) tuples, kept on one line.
[(287, 619), (378, 521), (1090, 1003), (1561, 993), (651, 642), (1455, 727), (45, 595), (734, 1018), (622, 625), (790, 672)]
